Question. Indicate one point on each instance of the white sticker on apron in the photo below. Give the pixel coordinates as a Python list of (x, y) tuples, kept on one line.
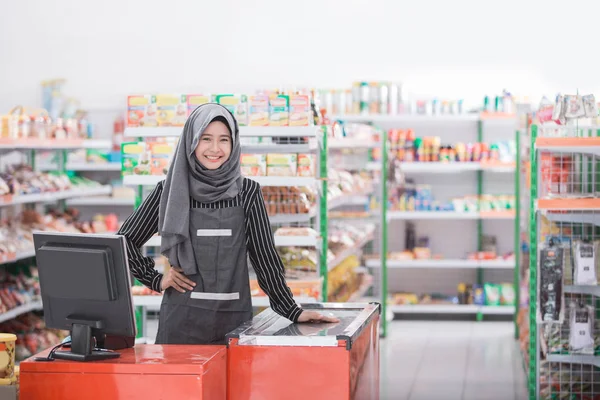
[(213, 232), (215, 296)]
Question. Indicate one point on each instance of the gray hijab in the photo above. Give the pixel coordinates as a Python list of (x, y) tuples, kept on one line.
[(188, 178)]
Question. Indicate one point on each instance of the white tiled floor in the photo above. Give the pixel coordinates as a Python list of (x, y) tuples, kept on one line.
[(428, 360), (451, 361)]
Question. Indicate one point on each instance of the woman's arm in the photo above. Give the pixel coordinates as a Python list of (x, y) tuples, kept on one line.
[(266, 261), (138, 228)]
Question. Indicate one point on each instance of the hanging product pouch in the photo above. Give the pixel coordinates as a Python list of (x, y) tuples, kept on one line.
[(492, 294), (581, 324), (584, 263), (550, 284)]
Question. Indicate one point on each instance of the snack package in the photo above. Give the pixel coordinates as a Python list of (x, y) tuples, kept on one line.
[(574, 107), (507, 294), (584, 263), (161, 157), (300, 113), (478, 295), (550, 284), (141, 111), (237, 104), (135, 160), (171, 110), (492, 294), (306, 165), (279, 110), (558, 114), (581, 329), (590, 106), (282, 164), (258, 114), (254, 164), (195, 100)]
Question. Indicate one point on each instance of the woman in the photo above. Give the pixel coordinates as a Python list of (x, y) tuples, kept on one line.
[(210, 219)]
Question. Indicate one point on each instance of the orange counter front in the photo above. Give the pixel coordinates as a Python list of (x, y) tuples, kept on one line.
[(144, 372), (272, 359)]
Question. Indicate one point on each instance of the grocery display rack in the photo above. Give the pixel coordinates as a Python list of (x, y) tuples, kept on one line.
[(564, 201), (28, 149), (507, 122)]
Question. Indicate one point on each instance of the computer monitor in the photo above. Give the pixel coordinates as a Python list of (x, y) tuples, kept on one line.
[(86, 289)]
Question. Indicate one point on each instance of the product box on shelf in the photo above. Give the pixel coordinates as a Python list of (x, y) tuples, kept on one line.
[(254, 164), (258, 110), (195, 100), (141, 111), (279, 110), (306, 165), (171, 109), (161, 154), (135, 159), (282, 164), (300, 112), (237, 104)]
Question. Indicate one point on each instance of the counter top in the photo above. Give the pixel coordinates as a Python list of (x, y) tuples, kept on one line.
[(270, 329)]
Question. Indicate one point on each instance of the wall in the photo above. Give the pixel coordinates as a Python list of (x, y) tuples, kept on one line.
[(464, 48)]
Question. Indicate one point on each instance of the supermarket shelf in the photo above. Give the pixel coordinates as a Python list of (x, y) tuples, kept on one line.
[(350, 143), (279, 148), (450, 168), (574, 359), (577, 217), (259, 301), (408, 118), (348, 200), (143, 180), (19, 256), (283, 180), (410, 215), (355, 250), (53, 144), (25, 308), (279, 219), (438, 215), (580, 289), (491, 264), (451, 309), (586, 145), (245, 131), (112, 166), (54, 196), (101, 201), (568, 204), (280, 241)]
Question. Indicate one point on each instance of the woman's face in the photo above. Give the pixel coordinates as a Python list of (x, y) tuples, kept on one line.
[(214, 147)]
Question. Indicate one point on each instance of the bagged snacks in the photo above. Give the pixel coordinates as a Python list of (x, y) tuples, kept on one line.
[(507, 294), (550, 284), (574, 107), (306, 165), (492, 294), (590, 106), (581, 329), (584, 263)]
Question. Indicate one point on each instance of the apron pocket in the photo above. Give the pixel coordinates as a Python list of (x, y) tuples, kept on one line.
[(206, 249)]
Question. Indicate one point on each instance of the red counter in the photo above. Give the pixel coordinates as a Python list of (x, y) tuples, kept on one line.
[(145, 372), (272, 359)]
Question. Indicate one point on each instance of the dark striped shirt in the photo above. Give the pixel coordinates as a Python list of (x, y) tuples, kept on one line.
[(143, 224)]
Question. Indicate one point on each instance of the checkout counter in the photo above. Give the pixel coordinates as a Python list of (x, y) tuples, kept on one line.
[(266, 358)]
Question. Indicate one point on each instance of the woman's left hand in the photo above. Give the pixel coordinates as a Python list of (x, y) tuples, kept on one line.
[(313, 316)]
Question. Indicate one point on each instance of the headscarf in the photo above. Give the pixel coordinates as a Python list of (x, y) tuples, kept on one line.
[(187, 177)]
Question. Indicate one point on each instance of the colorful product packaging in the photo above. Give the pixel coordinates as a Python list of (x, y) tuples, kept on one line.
[(258, 114), (279, 110), (195, 100), (237, 104), (171, 109), (161, 158), (135, 159), (478, 295), (141, 111), (306, 165), (254, 164), (7, 355), (282, 164), (492, 294), (300, 113), (507, 294)]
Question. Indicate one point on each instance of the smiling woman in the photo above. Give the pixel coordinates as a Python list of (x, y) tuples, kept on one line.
[(214, 146)]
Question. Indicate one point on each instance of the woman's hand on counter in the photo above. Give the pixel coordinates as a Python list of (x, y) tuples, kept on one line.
[(313, 316), (177, 280)]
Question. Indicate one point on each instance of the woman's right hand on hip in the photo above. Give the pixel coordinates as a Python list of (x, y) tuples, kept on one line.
[(177, 280)]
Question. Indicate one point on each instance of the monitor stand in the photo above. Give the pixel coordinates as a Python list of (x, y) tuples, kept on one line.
[(83, 343)]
